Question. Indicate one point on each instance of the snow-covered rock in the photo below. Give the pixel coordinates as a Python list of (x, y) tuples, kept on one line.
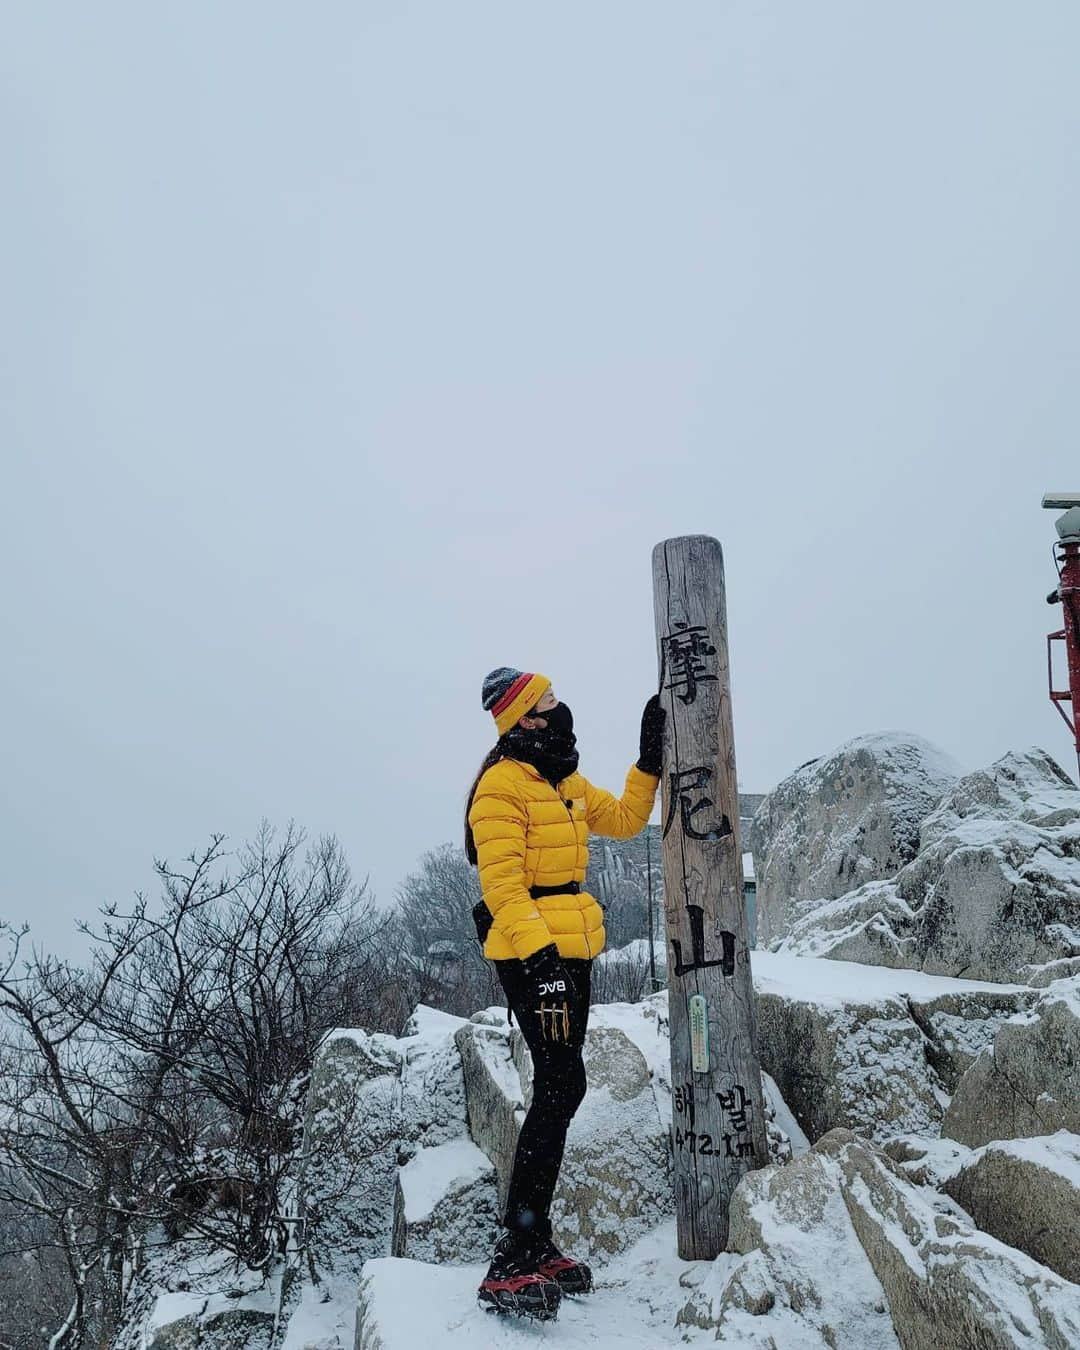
[(615, 1183), (960, 1023), (374, 1101), (847, 818), (187, 1298), (445, 1205), (862, 1065), (949, 1286), (351, 1132), (1027, 1193), (791, 1227), (993, 892), (187, 1321), (996, 884), (495, 1103), (915, 1272), (927, 1162), (1029, 786), (432, 1093), (1028, 1081), (860, 1047)]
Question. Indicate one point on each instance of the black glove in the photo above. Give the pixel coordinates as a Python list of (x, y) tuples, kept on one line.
[(652, 737), (553, 994)]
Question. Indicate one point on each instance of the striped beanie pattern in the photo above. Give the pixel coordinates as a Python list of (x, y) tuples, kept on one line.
[(509, 693)]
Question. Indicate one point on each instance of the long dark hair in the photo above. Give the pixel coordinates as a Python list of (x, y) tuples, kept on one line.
[(493, 756)]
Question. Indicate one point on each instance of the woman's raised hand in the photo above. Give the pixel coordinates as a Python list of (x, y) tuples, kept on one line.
[(650, 758)]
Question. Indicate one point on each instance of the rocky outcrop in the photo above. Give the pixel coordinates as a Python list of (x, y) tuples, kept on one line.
[(859, 1064), (375, 1101), (494, 1098), (949, 1286), (791, 1227), (915, 1273), (993, 892), (1027, 1193), (432, 1117), (844, 819), (960, 1024), (1028, 1081), (445, 1204), (996, 884), (351, 1132)]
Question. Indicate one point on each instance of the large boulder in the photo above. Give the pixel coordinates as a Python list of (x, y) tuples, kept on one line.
[(615, 1181), (791, 1228), (858, 1063), (351, 1132), (495, 1103), (445, 1206), (996, 884), (993, 892), (1027, 1193), (849, 1045), (849, 817), (877, 1051), (949, 1286), (1027, 1082), (915, 1272), (374, 1101)]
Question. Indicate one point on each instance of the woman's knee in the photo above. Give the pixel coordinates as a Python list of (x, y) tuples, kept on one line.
[(577, 1084), (560, 1085)]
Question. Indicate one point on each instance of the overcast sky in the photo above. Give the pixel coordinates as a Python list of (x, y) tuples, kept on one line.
[(350, 350)]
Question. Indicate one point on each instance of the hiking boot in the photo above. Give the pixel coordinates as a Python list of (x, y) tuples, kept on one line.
[(514, 1285), (572, 1277)]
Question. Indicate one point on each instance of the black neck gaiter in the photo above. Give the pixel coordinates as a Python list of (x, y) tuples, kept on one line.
[(552, 750)]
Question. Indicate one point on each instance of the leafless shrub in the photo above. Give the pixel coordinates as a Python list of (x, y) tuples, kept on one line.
[(159, 1090)]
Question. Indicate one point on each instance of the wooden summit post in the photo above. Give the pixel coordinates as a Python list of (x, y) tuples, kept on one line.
[(718, 1118)]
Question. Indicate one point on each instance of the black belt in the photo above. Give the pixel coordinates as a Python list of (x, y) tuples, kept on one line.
[(482, 915)]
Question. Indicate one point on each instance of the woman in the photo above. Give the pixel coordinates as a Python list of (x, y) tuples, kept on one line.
[(527, 820)]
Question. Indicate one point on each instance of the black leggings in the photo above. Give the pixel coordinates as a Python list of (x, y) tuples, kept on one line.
[(558, 1091)]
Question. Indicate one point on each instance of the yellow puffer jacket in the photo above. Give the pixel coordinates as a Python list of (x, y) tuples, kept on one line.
[(528, 834)]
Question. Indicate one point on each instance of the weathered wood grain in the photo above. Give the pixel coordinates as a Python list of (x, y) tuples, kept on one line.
[(718, 1121)]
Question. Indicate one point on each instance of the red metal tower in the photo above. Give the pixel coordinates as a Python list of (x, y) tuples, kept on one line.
[(1067, 594)]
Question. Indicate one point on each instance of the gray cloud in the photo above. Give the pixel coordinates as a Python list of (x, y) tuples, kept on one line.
[(351, 351)]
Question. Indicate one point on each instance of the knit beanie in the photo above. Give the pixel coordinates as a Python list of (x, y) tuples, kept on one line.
[(508, 694)]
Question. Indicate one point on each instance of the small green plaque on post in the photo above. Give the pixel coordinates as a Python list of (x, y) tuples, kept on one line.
[(699, 1034)]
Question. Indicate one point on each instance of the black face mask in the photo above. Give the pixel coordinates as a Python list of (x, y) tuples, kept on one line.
[(559, 719), (551, 749)]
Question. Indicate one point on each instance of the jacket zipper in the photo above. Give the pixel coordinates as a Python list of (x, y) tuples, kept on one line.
[(570, 813)]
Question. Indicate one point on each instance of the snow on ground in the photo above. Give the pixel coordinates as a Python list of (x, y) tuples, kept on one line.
[(633, 1306), (324, 1318), (831, 984)]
